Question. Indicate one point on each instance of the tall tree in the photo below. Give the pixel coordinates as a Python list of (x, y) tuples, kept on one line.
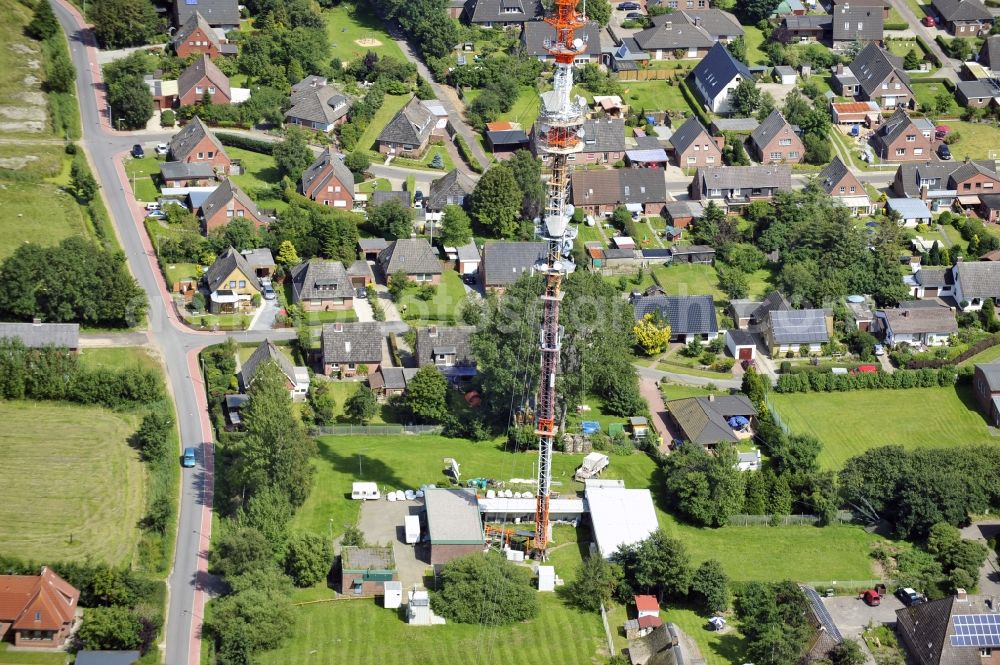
[(598, 11), (43, 24), (746, 99), (456, 230), (362, 406), (121, 23), (659, 564), (596, 582), (652, 335), (711, 585), (391, 220), (496, 202), (527, 171), (503, 591), (426, 395), (130, 100), (292, 155)]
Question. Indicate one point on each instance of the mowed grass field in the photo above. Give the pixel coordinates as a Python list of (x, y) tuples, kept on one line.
[(389, 107), (912, 418), (72, 486), (37, 213), (354, 20)]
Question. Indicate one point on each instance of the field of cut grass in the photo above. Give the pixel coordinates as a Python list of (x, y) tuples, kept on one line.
[(350, 21), (8, 657), (694, 279), (119, 357), (37, 213), (913, 418), (927, 93), (442, 307), (73, 488), (390, 106), (259, 173), (754, 39), (977, 140)]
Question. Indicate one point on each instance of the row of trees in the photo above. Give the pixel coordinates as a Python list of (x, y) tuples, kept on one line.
[(508, 196)]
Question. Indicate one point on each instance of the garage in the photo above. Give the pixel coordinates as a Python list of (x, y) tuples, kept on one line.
[(741, 344)]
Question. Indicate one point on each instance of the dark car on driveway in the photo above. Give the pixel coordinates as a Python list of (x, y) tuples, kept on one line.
[(469, 278), (909, 596), (628, 6), (944, 152), (138, 152)]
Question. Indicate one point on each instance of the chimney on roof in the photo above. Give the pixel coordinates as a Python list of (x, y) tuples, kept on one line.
[(711, 397), (697, 20), (961, 595), (967, 159), (432, 331), (338, 327)]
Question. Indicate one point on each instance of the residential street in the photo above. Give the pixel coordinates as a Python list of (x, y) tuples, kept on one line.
[(949, 65)]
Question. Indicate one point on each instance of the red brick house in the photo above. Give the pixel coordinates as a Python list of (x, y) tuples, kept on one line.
[(642, 191), (365, 570), (195, 143), (347, 347), (900, 140), (229, 202), (197, 36), (986, 385), (37, 610), (694, 147), (202, 78), (775, 141), (329, 182), (408, 132), (838, 181)]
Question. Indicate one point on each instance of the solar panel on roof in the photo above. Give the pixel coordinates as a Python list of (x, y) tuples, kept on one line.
[(976, 630)]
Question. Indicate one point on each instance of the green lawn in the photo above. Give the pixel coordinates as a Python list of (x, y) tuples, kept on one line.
[(524, 109), (717, 648), (28, 658), (390, 106), (919, 9), (144, 174), (319, 318), (900, 47), (978, 141), (376, 185), (348, 22), (425, 161), (88, 501), (37, 213), (119, 357), (987, 356), (695, 279), (652, 95), (442, 307), (259, 173), (926, 94), (754, 40), (914, 418), (178, 271)]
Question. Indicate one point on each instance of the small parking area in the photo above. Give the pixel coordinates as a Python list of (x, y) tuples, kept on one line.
[(852, 615), (382, 523)]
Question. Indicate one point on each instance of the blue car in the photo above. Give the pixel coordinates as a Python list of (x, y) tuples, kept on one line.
[(189, 459)]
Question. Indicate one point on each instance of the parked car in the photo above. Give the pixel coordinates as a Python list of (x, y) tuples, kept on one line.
[(633, 16), (944, 152), (929, 21), (469, 278), (138, 152), (153, 205), (269, 293), (872, 598), (418, 199), (628, 6), (189, 459), (156, 214), (879, 350), (909, 596), (361, 293), (161, 149)]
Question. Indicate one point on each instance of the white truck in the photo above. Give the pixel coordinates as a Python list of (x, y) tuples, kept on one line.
[(593, 464), (364, 491), (411, 524)]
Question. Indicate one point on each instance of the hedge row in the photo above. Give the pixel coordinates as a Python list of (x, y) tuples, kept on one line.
[(904, 378), (245, 143), (466, 152), (934, 363), (693, 103), (927, 51)]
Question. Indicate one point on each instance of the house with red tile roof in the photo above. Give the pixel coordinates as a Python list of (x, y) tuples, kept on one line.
[(37, 610)]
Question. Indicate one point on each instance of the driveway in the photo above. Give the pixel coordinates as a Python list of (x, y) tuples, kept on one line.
[(853, 615), (989, 575), (382, 523), (264, 319), (363, 310), (651, 393)]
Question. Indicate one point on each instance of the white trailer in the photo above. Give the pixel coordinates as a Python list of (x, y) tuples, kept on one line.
[(364, 491), (593, 464), (412, 527)]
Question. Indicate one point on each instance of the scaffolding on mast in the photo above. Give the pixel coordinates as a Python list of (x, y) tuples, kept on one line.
[(560, 134)]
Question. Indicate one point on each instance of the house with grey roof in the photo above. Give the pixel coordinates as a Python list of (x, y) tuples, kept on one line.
[(450, 189), (964, 18), (370, 248), (775, 141), (231, 284), (789, 331), (319, 108), (875, 75), (186, 174), (320, 285), (390, 382), (975, 281), (106, 657), (690, 317), (195, 143), (961, 629), (986, 386), (898, 139), (297, 378), (378, 198), (229, 202), (941, 183), (852, 22), (328, 181), (536, 34), (449, 348), (977, 94), (261, 261), (916, 326), (844, 187), (929, 283), (349, 349), (687, 33), (734, 187), (693, 146), (599, 192), (751, 315), (716, 76), (989, 53), (713, 419), (197, 36), (504, 262), (408, 132), (414, 257), (603, 142), (221, 14), (502, 13), (795, 29), (203, 80), (38, 335)]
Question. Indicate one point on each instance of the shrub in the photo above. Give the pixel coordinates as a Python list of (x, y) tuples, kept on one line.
[(245, 143), (168, 118)]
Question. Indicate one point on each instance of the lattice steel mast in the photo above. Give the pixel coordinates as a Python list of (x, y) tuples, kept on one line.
[(560, 132)]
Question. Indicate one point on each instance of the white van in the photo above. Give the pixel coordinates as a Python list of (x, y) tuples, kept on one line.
[(364, 491), (412, 527)]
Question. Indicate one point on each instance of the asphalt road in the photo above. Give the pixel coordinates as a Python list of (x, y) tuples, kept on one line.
[(177, 345)]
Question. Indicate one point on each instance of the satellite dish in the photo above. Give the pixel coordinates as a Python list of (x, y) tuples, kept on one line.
[(570, 209), (580, 133), (577, 43)]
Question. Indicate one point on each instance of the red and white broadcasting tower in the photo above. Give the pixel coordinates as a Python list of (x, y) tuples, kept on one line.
[(561, 133)]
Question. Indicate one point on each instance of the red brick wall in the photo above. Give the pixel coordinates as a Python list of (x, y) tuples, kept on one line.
[(323, 195), (445, 553), (323, 305), (901, 142), (53, 640), (188, 46), (978, 185), (205, 147), (221, 217), (785, 150), (700, 156), (192, 96)]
